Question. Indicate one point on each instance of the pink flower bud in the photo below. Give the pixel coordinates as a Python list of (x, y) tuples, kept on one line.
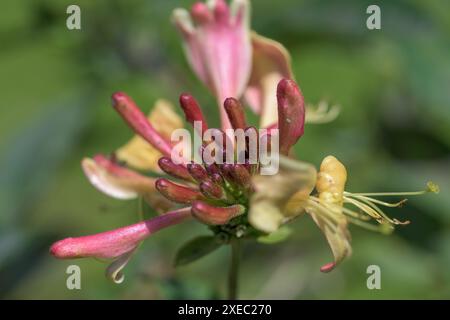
[(215, 215), (176, 192), (192, 111), (291, 114), (212, 190), (235, 113), (197, 172), (137, 121)]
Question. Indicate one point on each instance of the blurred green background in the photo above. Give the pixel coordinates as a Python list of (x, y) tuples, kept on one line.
[(393, 134)]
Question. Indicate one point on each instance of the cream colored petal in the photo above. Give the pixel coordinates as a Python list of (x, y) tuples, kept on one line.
[(116, 181), (265, 216), (138, 153), (281, 197), (114, 270), (271, 63), (337, 235)]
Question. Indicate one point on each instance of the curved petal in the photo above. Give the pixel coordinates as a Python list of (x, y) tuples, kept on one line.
[(115, 180), (122, 183), (138, 153), (337, 235), (114, 270), (271, 63)]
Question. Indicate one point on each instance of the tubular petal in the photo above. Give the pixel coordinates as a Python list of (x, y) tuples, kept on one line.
[(235, 113), (137, 121), (114, 243), (138, 153), (192, 111)]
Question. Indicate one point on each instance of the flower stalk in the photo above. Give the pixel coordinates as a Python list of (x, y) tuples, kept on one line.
[(233, 276)]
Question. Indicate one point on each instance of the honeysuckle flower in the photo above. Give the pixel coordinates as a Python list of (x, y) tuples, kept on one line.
[(217, 45), (233, 61), (216, 194), (326, 206), (235, 200)]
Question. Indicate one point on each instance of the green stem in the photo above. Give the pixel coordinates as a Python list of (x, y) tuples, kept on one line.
[(233, 275)]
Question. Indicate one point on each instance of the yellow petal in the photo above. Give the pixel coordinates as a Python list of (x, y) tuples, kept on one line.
[(138, 153), (331, 180), (271, 63)]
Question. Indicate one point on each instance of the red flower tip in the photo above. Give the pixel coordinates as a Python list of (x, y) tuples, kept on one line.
[(291, 114), (212, 190), (235, 113), (63, 249), (215, 215), (328, 267), (192, 111), (175, 170), (197, 172)]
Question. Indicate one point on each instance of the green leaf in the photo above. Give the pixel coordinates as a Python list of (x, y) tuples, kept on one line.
[(275, 237), (196, 249)]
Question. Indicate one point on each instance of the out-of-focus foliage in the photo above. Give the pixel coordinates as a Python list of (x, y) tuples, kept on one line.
[(393, 134)]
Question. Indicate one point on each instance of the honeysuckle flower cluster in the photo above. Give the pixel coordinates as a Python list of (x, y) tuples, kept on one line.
[(233, 199)]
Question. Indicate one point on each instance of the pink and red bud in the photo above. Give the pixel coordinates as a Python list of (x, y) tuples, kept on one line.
[(212, 190), (235, 113), (197, 172), (241, 176), (175, 170), (192, 111), (137, 121), (291, 114), (213, 215), (237, 175), (177, 193)]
